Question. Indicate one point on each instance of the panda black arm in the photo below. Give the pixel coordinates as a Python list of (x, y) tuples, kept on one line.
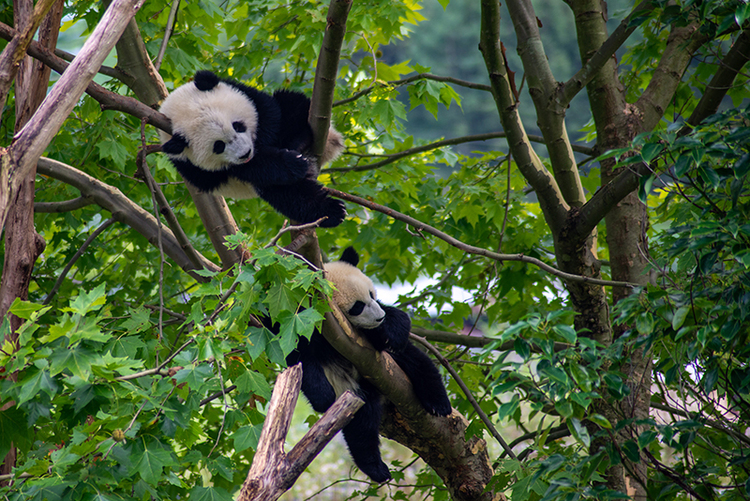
[(204, 180), (425, 379), (304, 201), (393, 333), (272, 167)]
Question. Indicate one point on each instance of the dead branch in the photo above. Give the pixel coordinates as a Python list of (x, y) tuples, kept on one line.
[(273, 472)]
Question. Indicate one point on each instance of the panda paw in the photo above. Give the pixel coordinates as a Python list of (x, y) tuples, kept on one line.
[(334, 210), (297, 165), (441, 406)]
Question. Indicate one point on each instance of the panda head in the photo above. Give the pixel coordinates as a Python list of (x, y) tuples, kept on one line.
[(214, 125), (355, 293)]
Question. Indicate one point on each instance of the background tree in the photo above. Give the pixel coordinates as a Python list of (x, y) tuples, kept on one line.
[(135, 367)]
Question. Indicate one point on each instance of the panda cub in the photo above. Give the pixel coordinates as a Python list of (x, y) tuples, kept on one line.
[(239, 142), (326, 374)]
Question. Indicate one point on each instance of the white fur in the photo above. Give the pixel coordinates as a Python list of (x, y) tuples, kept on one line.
[(351, 286), (205, 117)]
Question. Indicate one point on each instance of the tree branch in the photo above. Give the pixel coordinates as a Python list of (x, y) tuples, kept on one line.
[(273, 472), (591, 67), (123, 210), (551, 200), (325, 74), (723, 79), (393, 157), (106, 224), (15, 51), (469, 396), (66, 206), (414, 78), (542, 88), (108, 100), (420, 226), (681, 44)]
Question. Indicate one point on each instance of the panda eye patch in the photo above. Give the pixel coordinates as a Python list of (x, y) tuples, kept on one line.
[(372, 296), (239, 127), (219, 147), (357, 309)]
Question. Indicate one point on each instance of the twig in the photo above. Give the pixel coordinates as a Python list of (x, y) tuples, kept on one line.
[(164, 207), (471, 249), (414, 78), (485, 419), (392, 157), (157, 369), (167, 32), (106, 224), (287, 229)]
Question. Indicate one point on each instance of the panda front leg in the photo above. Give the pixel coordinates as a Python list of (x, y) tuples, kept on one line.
[(315, 385), (362, 435), (304, 201), (425, 379)]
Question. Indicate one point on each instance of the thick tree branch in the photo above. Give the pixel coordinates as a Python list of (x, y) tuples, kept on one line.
[(551, 200), (591, 67), (149, 88), (123, 210), (15, 51), (109, 100), (542, 88), (273, 472), (420, 226), (723, 79), (681, 45), (325, 73)]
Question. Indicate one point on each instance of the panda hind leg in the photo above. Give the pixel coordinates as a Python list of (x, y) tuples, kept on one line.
[(362, 436), (425, 379), (315, 385)]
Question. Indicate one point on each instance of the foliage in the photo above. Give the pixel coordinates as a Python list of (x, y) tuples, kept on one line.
[(85, 426)]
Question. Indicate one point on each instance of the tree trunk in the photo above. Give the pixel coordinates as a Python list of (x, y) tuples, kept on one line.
[(23, 244)]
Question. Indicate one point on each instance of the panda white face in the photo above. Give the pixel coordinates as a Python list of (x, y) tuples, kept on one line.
[(219, 125), (355, 295)]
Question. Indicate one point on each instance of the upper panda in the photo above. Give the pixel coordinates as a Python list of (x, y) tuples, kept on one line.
[(326, 374), (239, 142)]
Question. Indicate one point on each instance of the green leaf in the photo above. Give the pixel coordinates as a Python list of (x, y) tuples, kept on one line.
[(247, 437), (88, 301), (579, 431), (38, 381), (150, 463), (600, 420), (253, 382), (25, 309), (567, 332), (209, 494), (679, 317)]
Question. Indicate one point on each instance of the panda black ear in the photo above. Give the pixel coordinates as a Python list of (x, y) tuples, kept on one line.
[(206, 80), (176, 145), (350, 256)]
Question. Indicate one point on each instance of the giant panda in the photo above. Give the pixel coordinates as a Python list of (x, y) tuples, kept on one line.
[(236, 141), (326, 374)]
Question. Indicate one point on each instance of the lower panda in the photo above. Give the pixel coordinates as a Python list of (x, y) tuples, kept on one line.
[(236, 141), (326, 374)]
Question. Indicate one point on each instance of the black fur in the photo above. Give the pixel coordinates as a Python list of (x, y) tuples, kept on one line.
[(278, 171), (362, 433)]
